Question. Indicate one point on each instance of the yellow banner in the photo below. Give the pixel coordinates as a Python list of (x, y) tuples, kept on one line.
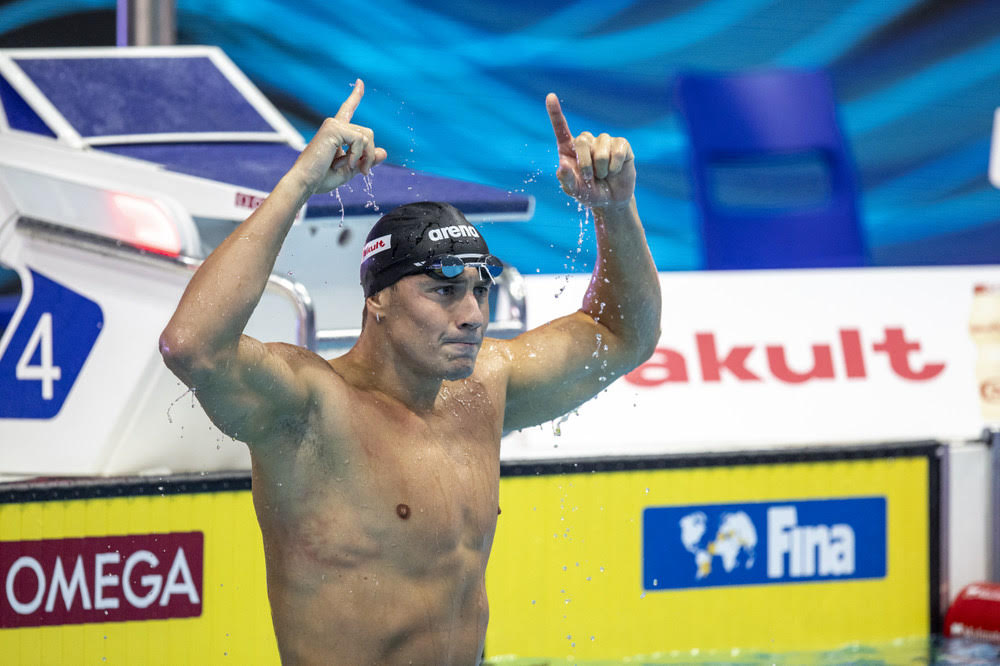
[(234, 621), (566, 576), (181, 576)]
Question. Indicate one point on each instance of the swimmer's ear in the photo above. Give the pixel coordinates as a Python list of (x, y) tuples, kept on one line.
[(377, 304)]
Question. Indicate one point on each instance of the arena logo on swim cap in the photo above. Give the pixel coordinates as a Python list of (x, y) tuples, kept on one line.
[(454, 231), (376, 245)]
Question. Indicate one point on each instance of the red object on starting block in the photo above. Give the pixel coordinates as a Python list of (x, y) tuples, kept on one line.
[(975, 613)]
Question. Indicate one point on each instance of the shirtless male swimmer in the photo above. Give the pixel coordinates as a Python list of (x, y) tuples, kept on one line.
[(376, 474)]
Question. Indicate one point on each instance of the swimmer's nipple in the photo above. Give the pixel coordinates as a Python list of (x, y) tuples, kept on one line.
[(403, 511)]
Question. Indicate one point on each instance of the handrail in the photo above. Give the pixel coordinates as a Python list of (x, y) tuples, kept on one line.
[(295, 292), (344, 338), (509, 299), (992, 437)]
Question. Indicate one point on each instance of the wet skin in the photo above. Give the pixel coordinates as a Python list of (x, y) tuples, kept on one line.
[(376, 474), (378, 518)]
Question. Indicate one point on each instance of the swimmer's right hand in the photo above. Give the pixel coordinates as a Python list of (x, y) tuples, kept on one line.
[(339, 151)]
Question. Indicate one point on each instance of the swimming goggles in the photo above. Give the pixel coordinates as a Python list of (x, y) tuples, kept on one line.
[(447, 266)]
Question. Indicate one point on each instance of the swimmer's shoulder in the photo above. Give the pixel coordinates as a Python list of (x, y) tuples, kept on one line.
[(494, 359), (298, 358), (308, 364), (496, 350)]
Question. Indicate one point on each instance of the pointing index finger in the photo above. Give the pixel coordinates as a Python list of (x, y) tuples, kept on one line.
[(564, 137), (350, 104)]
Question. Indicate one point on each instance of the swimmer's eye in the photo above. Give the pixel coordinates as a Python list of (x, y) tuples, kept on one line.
[(482, 291), (445, 290)]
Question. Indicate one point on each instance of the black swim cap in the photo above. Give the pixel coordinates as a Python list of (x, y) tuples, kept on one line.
[(405, 238)]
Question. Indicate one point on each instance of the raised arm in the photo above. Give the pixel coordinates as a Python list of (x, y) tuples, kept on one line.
[(557, 366), (244, 384)]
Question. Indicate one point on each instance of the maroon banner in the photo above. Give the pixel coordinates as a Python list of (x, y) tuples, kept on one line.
[(101, 579)]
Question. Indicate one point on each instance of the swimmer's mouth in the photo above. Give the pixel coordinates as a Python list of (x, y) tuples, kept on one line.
[(471, 343)]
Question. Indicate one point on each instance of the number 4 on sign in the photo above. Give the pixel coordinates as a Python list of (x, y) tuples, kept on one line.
[(45, 372)]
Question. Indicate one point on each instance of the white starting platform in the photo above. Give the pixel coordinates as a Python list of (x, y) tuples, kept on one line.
[(120, 170)]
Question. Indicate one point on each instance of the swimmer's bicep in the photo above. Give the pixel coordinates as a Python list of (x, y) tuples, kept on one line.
[(557, 367), (247, 394)]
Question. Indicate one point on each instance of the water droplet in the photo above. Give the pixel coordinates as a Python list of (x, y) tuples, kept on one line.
[(341, 202), (176, 400)]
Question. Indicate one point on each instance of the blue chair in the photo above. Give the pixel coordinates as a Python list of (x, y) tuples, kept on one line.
[(782, 125)]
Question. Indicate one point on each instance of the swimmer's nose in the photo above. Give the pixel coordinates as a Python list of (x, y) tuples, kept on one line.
[(470, 314)]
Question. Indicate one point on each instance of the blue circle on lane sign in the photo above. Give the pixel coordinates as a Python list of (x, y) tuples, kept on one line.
[(47, 349)]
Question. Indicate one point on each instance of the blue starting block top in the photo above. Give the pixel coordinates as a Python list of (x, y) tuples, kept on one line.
[(127, 96), (191, 111), (260, 165)]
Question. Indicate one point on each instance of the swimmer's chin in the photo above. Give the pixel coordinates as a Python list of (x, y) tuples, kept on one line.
[(456, 375), (459, 370)]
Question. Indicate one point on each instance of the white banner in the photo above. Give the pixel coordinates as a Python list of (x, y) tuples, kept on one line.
[(781, 358)]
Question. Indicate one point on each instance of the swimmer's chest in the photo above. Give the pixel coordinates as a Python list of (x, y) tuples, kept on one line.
[(440, 471), (429, 482)]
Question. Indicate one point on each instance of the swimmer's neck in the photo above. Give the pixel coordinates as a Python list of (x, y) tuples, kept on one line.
[(372, 364)]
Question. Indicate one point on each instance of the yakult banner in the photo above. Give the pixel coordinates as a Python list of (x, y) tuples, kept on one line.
[(774, 358)]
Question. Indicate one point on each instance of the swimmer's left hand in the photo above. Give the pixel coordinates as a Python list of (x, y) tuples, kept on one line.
[(599, 172)]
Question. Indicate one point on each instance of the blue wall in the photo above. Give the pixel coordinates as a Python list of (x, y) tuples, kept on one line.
[(456, 88)]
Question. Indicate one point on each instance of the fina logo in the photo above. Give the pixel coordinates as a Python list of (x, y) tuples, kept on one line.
[(813, 540), (454, 231), (736, 536)]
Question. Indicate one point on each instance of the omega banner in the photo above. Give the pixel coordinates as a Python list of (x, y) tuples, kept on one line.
[(133, 571), (773, 358), (101, 579)]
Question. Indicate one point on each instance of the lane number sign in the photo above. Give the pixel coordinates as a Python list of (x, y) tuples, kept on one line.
[(45, 349)]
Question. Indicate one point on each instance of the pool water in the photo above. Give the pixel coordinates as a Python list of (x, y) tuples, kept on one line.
[(937, 650)]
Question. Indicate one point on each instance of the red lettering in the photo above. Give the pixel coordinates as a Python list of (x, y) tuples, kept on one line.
[(854, 358), (244, 200), (666, 365), (898, 349), (822, 364), (670, 366), (735, 360)]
